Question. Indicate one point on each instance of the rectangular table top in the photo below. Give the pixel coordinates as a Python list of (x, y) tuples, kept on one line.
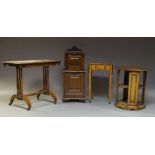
[(106, 63), (25, 63), (132, 68)]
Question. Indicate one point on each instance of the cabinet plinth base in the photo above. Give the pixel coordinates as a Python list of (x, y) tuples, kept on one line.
[(128, 106), (74, 99)]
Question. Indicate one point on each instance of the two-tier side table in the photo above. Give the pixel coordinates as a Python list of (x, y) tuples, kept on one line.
[(19, 76), (134, 81)]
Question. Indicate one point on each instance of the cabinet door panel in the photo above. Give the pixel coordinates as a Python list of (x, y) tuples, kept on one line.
[(74, 85)]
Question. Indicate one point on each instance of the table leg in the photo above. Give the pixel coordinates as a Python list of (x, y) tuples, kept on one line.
[(144, 86), (19, 83), (26, 99), (46, 89), (90, 82), (110, 86), (12, 99), (117, 85)]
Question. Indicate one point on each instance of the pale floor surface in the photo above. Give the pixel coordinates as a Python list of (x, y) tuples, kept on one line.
[(98, 108)]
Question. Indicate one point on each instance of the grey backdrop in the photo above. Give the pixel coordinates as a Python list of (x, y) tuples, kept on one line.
[(119, 51)]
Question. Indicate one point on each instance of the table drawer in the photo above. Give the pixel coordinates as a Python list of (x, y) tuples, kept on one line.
[(100, 67)]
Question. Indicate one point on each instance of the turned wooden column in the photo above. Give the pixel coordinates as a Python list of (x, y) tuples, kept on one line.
[(46, 79), (19, 85), (46, 85), (19, 82)]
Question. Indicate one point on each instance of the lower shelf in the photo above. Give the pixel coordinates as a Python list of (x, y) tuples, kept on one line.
[(128, 106)]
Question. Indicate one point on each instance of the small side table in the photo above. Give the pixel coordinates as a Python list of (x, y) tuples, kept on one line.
[(100, 67), (132, 99), (19, 65)]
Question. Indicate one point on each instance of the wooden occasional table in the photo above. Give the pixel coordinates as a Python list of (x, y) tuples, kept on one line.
[(19, 76), (132, 99), (100, 67)]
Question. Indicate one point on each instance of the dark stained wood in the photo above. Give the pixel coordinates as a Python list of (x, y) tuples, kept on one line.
[(74, 84), (74, 75), (19, 76), (74, 61)]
